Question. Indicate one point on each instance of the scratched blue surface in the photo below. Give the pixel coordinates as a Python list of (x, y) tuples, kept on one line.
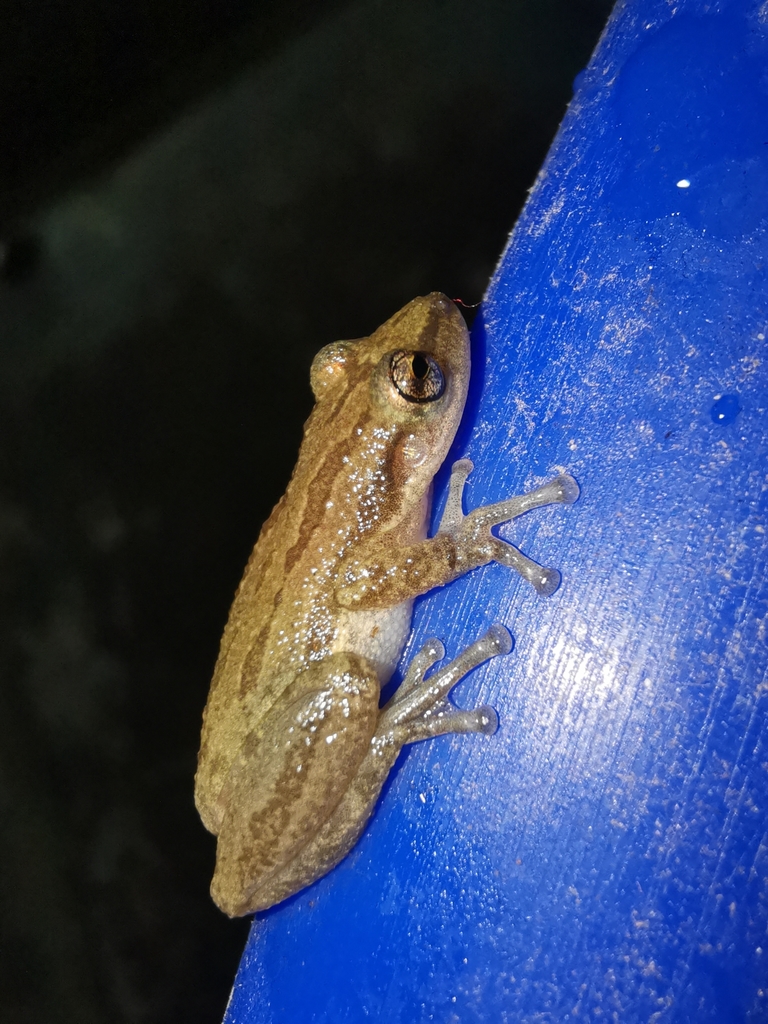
[(605, 855)]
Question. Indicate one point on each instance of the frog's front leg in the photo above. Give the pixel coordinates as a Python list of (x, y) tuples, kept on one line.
[(476, 545), (385, 572), (418, 710)]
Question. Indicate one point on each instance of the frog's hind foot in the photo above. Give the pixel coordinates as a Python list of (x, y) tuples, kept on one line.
[(420, 708)]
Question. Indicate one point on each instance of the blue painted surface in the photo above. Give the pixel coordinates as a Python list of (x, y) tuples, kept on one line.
[(605, 855)]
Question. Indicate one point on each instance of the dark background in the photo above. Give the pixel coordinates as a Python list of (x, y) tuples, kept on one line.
[(193, 200)]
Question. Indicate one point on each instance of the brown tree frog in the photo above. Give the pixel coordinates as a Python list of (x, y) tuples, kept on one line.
[(295, 748)]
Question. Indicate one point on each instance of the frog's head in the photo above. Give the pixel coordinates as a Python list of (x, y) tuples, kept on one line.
[(420, 379), (387, 411), (411, 374)]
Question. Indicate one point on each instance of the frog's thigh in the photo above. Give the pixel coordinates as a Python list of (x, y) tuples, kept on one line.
[(339, 833), (417, 711), (289, 778)]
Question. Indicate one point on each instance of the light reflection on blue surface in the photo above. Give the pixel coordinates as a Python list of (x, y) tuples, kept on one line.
[(725, 409)]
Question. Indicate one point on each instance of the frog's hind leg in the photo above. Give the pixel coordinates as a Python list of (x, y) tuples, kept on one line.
[(290, 775), (418, 710)]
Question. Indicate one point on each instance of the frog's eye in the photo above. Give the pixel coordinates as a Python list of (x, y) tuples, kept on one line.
[(416, 376)]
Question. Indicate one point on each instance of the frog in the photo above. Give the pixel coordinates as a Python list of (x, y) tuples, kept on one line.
[(295, 748)]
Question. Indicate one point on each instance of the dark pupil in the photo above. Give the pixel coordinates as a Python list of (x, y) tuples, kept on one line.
[(420, 366), (416, 376)]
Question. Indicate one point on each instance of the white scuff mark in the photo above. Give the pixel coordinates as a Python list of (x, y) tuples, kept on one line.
[(527, 413), (538, 228), (622, 332)]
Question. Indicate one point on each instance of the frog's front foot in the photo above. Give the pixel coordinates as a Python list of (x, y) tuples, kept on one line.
[(476, 545), (420, 708)]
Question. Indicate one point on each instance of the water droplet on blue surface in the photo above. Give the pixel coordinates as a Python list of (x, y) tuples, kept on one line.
[(725, 409)]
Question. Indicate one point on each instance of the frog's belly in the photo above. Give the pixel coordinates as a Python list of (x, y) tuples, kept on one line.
[(378, 636)]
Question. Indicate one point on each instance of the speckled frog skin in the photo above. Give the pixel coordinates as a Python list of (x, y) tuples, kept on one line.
[(295, 748)]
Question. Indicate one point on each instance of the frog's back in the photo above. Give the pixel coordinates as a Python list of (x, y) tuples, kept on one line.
[(258, 651), (284, 614)]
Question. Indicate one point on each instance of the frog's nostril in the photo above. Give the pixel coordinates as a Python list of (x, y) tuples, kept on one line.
[(440, 301)]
